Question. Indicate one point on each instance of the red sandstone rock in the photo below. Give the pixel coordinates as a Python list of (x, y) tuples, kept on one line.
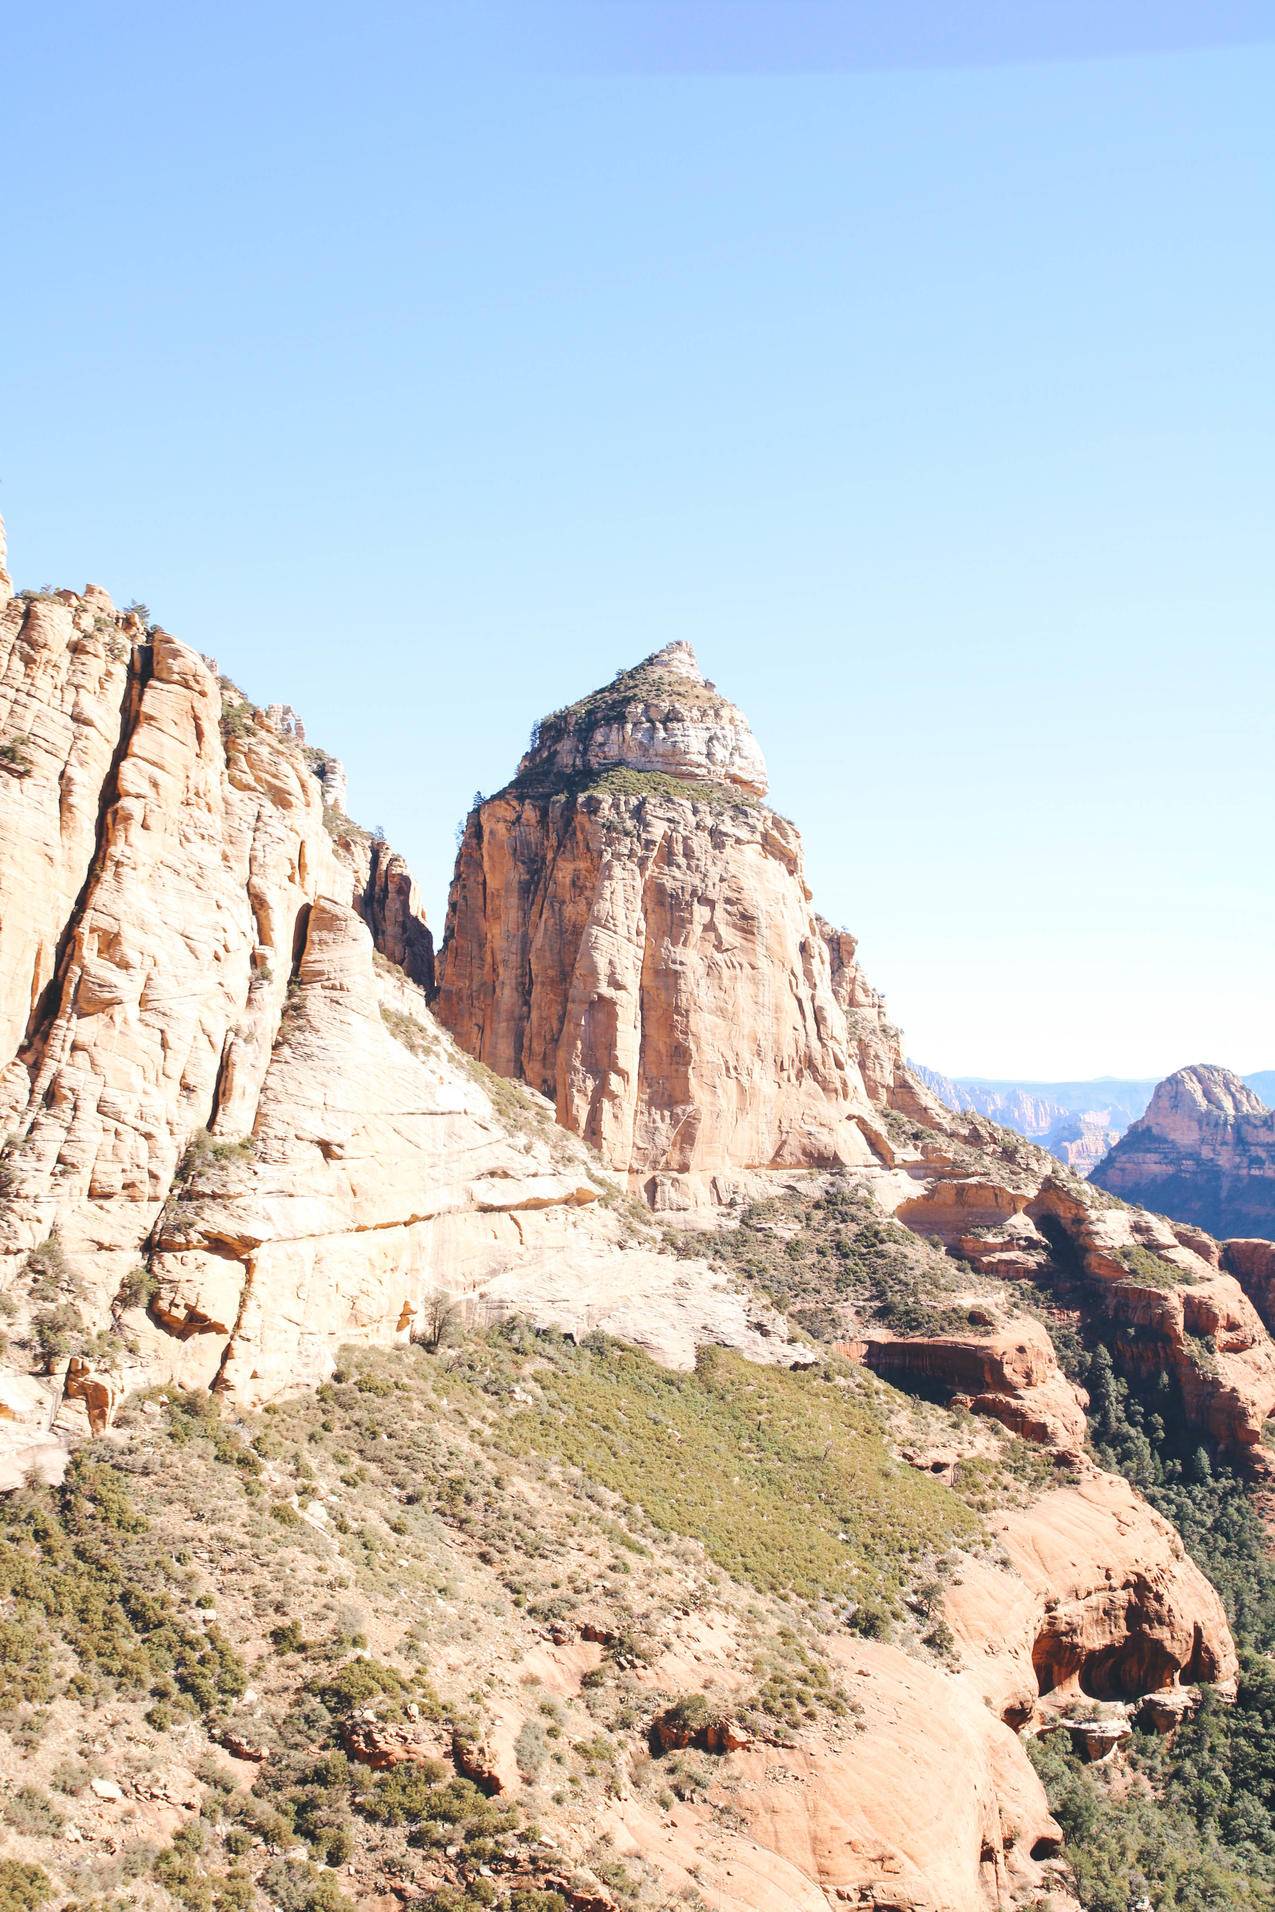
[(640, 946), (1204, 1152), (1011, 1374)]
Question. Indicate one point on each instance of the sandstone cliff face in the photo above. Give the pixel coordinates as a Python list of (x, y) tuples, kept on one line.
[(630, 932), (1094, 1594), (1011, 1374), (1253, 1265), (1164, 1292), (204, 1107), (236, 1139), (875, 1041), (1204, 1152)]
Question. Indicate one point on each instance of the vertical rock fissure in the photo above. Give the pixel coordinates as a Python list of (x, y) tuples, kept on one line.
[(44, 1012)]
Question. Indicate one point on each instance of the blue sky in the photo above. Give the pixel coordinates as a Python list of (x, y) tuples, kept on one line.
[(428, 363)]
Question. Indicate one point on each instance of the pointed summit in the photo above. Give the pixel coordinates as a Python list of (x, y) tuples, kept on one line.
[(679, 656), (660, 715)]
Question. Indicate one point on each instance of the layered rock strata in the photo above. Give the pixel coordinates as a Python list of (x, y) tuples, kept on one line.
[(243, 1142), (236, 1140), (1204, 1153), (630, 932), (1011, 1374), (1166, 1294), (1092, 1593)]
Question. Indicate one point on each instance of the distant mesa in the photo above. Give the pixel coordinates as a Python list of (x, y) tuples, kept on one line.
[(1203, 1153)]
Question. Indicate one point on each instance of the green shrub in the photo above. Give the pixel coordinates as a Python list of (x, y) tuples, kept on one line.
[(23, 1887), (1153, 1271), (31, 1811), (414, 1036), (56, 1333), (137, 1289), (90, 1607), (784, 1476), (531, 1749), (301, 1887), (15, 755), (441, 1812)]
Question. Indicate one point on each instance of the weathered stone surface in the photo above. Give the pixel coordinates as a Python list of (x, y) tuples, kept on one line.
[(1168, 1305), (662, 716), (641, 949), (1204, 1152), (65, 678), (931, 1803), (1169, 1309), (380, 1177), (1011, 1374), (391, 907), (1253, 1265), (876, 1043), (1097, 1596), (198, 1077)]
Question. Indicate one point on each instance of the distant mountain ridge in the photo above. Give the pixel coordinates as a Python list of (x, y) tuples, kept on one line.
[(1077, 1121)]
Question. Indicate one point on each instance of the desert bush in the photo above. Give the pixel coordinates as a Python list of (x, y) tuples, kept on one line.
[(23, 1887), (15, 755)]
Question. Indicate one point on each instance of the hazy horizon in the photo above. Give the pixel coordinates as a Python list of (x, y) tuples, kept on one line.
[(931, 399)]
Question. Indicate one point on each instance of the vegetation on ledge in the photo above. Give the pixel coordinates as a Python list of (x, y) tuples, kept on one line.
[(547, 783)]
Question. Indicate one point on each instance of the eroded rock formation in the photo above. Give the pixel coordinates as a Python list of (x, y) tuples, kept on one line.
[(245, 1143), (236, 1138), (1094, 1594), (630, 933), (1009, 1373), (1204, 1152)]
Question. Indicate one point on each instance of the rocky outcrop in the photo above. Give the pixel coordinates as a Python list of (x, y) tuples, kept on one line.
[(1011, 1374), (1170, 1309), (876, 1043), (1081, 1141), (1167, 1302), (630, 932), (390, 905), (1253, 1265), (243, 1142), (1095, 1594), (1204, 1152), (379, 1175), (884, 1820), (663, 717)]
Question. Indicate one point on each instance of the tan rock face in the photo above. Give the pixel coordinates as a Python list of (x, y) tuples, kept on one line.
[(875, 1041), (391, 907), (662, 716), (884, 1820), (640, 948), (198, 1079), (1166, 1304), (1097, 1595), (65, 679), (378, 1177), (1204, 1152), (1170, 1309)]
